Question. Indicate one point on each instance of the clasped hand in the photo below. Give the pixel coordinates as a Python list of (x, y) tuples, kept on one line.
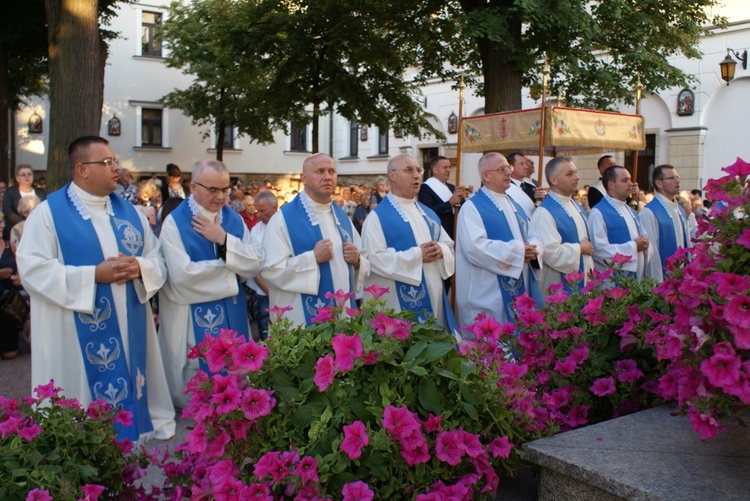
[(118, 270)]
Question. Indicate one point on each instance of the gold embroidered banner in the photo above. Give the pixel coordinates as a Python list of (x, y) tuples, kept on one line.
[(568, 131)]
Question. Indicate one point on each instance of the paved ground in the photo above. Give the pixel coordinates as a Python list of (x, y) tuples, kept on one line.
[(15, 381)]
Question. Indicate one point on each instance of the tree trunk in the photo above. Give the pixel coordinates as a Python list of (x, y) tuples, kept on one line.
[(502, 82), (221, 135), (6, 168), (315, 128), (77, 55)]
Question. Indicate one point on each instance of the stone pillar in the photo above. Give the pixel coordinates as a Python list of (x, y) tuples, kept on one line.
[(685, 152)]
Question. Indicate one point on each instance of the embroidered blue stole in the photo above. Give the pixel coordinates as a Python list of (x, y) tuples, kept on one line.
[(109, 377), (568, 230), (617, 228), (667, 239), (398, 235), (497, 228), (209, 317), (304, 235)]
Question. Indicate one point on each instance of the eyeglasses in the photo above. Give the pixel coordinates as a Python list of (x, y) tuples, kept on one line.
[(670, 178), (108, 162), (507, 170), (411, 170), (213, 190)]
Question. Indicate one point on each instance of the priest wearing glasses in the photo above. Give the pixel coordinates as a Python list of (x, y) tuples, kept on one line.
[(90, 265), (209, 253)]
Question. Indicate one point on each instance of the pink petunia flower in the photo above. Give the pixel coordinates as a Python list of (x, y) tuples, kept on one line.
[(91, 492), (124, 418), (239, 429), (324, 372), (30, 430), (277, 312), (38, 495), (355, 437), (391, 327), (471, 444), (737, 312), (399, 421), (744, 238), (722, 369), (11, 425), (259, 492), (256, 403), (603, 386), (347, 350), (357, 491), (217, 444), (324, 314), (432, 423), (248, 357), (271, 464), (307, 470), (449, 447), (620, 259), (416, 452), (566, 367), (376, 291), (501, 447), (707, 426), (47, 391), (339, 296)]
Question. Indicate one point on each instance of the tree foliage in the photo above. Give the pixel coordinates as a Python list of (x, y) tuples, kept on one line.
[(596, 50), (23, 62), (294, 61)]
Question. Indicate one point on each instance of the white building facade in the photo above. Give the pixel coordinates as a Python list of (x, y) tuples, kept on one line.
[(151, 136)]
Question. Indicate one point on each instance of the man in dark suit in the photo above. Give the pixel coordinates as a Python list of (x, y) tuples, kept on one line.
[(597, 191), (439, 195)]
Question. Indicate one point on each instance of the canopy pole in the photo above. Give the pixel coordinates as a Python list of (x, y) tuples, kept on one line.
[(461, 88), (638, 88), (542, 126)]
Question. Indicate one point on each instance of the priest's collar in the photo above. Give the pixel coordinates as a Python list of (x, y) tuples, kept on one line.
[(82, 198), (198, 210), (560, 197), (399, 202), (665, 200), (616, 203)]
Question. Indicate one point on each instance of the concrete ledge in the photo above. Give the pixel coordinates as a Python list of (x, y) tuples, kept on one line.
[(650, 455)]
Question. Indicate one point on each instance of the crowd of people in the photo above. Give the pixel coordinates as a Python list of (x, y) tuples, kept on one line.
[(209, 255)]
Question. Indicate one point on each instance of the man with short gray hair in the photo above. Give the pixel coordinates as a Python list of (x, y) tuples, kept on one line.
[(408, 249), (208, 251), (266, 205), (498, 258), (561, 225)]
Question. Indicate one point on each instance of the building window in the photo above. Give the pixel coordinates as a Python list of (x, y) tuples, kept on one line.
[(228, 138), (150, 21), (353, 139), (298, 136), (151, 127), (383, 142)]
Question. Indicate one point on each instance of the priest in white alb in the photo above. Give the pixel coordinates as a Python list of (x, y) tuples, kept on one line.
[(209, 252), (561, 225), (497, 257), (311, 247), (665, 222), (90, 263), (408, 249), (615, 228)]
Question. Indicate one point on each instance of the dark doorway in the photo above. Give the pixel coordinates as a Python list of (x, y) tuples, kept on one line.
[(427, 155), (646, 163)]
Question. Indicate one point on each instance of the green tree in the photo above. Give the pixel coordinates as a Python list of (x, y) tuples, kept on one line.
[(202, 37), (295, 61), (77, 56), (23, 65), (596, 50)]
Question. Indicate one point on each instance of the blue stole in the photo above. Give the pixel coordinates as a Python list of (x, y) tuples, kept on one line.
[(304, 234), (617, 227), (497, 228), (99, 335), (568, 230), (399, 235), (667, 240), (227, 313)]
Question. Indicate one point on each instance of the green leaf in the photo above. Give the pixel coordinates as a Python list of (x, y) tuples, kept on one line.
[(415, 351), (418, 370), (430, 398), (437, 350), (446, 374), (471, 410)]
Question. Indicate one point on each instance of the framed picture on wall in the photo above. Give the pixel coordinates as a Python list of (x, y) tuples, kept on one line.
[(114, 126), (685, 102)]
